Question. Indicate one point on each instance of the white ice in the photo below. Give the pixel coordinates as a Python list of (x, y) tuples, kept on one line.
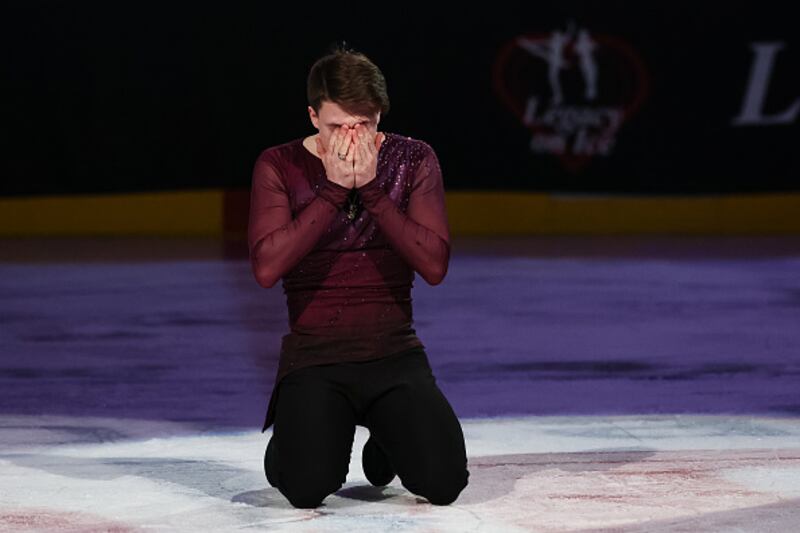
[(652, 473)]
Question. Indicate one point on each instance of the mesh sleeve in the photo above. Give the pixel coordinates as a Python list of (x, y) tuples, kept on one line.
[(276, 241), (421, 235)]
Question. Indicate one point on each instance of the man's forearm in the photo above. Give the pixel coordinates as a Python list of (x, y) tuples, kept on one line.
[(276, 253), (422, 248)]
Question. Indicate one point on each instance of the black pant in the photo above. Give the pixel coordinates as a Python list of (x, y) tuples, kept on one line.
[(396, 398)]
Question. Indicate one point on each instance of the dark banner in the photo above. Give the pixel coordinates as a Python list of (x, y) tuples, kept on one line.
[(574, 97)]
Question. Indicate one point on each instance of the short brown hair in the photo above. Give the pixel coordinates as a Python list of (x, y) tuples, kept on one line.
[(349, 79)]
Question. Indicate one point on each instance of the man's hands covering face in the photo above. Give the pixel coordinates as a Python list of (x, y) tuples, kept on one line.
[(360, 150), (338, 170), (365, 162)]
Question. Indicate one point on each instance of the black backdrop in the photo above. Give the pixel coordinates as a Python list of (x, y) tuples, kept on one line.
[(124, 96)]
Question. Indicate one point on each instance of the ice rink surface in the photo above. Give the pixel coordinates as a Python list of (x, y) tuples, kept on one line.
[(621, 473), (603, 384)]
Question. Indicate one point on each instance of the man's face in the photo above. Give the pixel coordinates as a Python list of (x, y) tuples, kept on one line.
[(331, 117)]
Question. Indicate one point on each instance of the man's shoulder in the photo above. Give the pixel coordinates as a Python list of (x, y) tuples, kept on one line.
[(282, 151), (410, 145)]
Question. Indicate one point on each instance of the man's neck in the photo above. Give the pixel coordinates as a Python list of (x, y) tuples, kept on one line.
[(311, 144)]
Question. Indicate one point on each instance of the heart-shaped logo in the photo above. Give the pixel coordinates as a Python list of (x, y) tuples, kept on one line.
[(572, 89)]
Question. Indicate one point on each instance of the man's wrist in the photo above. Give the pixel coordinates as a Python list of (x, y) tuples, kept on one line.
[(334, 193), (372, 195), (370, 185)]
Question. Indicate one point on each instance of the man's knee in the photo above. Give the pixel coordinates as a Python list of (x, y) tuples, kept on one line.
[(438, 487), (270, 463), (445, 490), (304, 498), (307, 493)]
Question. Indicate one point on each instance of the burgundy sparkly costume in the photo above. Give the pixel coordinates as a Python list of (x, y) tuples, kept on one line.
[(347, 281)]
